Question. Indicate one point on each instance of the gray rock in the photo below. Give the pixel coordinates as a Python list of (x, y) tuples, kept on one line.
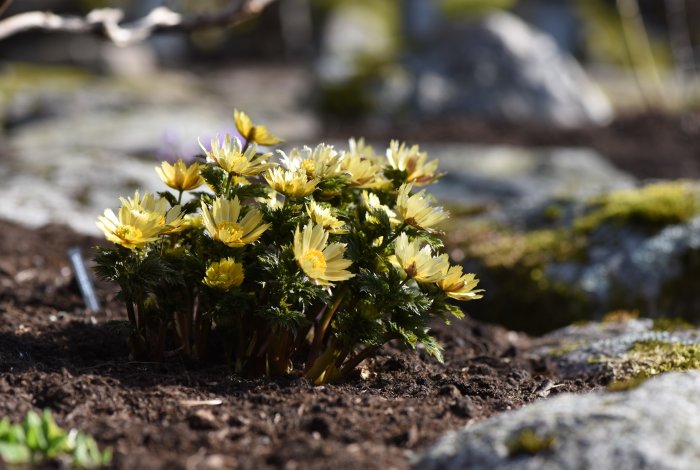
[(500, 68), (580, 350), (520, 180), (654, 426)]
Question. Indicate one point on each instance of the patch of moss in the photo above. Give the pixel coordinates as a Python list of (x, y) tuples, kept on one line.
[(528, 442), (515, 263), (15, 77), (671, 324), (565, 349), (628, 383), (652, 357), (654, 206)]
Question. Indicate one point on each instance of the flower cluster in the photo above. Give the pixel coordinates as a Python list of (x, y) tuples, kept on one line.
[(312, 259)]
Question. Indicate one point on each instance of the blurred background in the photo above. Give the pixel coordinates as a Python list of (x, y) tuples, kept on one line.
[(524, 102)]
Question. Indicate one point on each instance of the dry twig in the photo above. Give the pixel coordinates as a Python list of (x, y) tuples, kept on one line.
[(106, 21)]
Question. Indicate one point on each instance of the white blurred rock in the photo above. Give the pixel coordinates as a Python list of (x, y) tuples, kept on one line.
[(654, 427)]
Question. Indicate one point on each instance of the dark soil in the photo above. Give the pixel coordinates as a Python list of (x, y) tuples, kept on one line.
[(54, 354), (650, 145)]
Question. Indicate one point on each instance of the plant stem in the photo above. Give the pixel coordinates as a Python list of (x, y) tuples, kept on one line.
[(179, 197), (322, 326), (394, 236), (228, 184), (321, 364)]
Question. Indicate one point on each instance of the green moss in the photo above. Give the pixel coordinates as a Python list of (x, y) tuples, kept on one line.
[(649, 358), (565, 349), (471, 8), (528, 442), (515, 263), (628, 383), (671, 324), (16, 77), (654, 206)]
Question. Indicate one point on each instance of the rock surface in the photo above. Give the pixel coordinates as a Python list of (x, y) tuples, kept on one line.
[(496, 67), (576, 258), (654, 426), (500, 68)]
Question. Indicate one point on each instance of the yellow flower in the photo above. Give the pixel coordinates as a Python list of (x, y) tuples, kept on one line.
[(253, 133), (416, 211), (372, 203), (419, 263), (459, 286), (321, 162), (358, 147), (224, 274), (413, 162), (131, 229), (291, 183), (364, 173), (222, 222), (179, 176), (323, 263), (231, 158), (170, 220), (323, 216)]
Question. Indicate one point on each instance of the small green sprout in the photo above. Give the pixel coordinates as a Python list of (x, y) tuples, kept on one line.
[(305, 264), (39, 438)]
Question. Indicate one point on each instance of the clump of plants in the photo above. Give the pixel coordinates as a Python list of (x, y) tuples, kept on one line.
[(39, 438), (310, 261)]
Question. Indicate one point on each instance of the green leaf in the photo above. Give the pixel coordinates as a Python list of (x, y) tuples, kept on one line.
[(14, 454)]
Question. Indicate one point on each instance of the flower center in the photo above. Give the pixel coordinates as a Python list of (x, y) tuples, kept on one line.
[(235, 163), (411, 164), (309, 167), (229, 232), (313, 261), (129, 232), (411, 270)]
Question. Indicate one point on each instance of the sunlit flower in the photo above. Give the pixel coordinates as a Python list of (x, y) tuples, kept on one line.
[(224, 274), (170, 220), (414, 162), (323, 216), (358, 147), (321, 162), (323, 263), (364, 173), (253, 133), (222, 222), (230, 157), (416, 210), (460, 286), (290, 183), (180, 176), (131, 229), (419, 263), (372, 203)]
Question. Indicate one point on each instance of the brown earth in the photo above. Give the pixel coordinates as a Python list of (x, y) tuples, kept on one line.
[(54, 354)]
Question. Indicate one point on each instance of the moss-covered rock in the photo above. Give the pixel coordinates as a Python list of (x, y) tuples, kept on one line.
[(634, 249)]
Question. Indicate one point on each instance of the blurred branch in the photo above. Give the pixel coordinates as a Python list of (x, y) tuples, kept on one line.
[(105, 21), (3, 6)]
